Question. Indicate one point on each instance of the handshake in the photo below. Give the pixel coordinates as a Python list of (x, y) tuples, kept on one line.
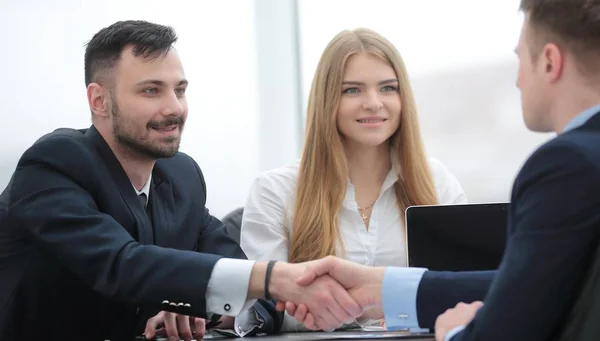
[(323, 294)]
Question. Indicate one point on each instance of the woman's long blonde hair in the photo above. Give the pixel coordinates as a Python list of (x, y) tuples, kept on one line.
[(323, 172)]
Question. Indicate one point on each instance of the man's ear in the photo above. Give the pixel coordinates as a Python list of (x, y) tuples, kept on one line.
[(553, 61), (98, 99)]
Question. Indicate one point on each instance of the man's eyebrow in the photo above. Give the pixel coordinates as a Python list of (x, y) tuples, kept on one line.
[(159, 82)]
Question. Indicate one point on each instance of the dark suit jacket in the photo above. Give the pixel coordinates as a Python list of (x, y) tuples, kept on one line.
[(554, 227), (79, 257), (582, 322)]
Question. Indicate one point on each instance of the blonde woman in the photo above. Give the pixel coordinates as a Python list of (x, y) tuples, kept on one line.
[(362, 165)]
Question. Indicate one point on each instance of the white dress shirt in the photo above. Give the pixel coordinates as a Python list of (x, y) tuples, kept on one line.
[(267, 220), (145, 189)]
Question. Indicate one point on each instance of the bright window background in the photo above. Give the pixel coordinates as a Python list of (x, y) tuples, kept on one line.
[(43, 84), (460, 59), (250, 67)]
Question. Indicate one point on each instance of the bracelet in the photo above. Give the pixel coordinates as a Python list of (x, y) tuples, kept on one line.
[(268, 279)]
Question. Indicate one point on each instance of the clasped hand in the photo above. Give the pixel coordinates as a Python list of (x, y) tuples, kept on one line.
[(175, 326), (329, 292)]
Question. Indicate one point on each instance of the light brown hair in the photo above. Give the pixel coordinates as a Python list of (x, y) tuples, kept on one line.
[(323, 172), (573, 25)]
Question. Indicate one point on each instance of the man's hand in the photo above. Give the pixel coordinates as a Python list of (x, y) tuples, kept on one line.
[(363, 284), (460, 315), (175, 326), (329, 303)]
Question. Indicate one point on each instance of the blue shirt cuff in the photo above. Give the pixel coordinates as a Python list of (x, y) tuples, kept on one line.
[(453, 332), (399, 295)]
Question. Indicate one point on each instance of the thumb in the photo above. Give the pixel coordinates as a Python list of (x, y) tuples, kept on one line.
[(151, 325), (315, 269)]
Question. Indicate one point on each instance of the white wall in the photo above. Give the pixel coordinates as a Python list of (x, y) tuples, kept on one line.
[(250, 79), (280, 87), (43, 86), (460, 59)]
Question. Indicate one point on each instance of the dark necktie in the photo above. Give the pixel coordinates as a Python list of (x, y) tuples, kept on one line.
[(144, 202), (142, 198)]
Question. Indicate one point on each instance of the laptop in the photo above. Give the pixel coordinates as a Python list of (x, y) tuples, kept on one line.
[(466, 237)]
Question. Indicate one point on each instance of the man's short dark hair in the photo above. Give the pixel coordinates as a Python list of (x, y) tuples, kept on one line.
[(102, 52), (571, 24)]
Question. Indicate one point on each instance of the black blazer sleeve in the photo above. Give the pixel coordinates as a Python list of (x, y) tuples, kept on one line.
[(439, 291), (49, 198), (553, 232)]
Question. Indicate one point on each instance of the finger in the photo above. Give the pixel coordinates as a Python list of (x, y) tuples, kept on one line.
[(301, 312), (477, 304), (310, 322), (183, 327), (327, 321), (171, 325), (347, 308), (200, 328), (161, 332), (152, 324), (315, 269), (290, 307), (280, 306), (331, 311), (334, 321), (309, 275)]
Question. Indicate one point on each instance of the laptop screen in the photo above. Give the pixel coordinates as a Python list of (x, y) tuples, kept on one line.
[(468, 237)]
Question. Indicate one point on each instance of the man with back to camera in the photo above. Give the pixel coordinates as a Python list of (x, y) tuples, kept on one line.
[(554, 218), (102, 228)]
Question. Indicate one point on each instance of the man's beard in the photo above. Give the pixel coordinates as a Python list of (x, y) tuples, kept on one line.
[(139, 142)]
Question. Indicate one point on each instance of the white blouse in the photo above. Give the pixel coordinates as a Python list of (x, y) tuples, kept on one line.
[(267, 218)]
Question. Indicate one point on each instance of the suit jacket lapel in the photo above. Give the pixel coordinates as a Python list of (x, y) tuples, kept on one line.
[(163, 209), (143, 226)]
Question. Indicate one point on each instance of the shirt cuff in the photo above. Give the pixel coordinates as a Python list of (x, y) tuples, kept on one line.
[(227, 289), (453, 332), (399, 295), (246, 322)]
